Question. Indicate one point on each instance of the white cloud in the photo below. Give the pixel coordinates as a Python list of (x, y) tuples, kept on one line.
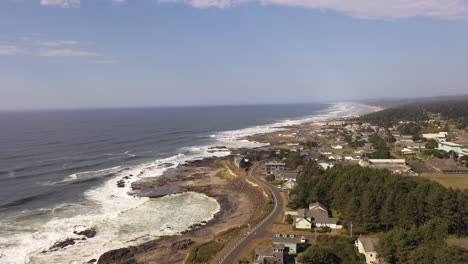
[(104, 61), (61, 3), (384, 9), (66, 53), (58, 43), (10, 50)]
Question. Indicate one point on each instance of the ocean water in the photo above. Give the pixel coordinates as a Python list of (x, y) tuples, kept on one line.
[(58, 172)]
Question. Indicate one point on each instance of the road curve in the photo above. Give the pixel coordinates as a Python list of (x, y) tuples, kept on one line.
[(258, 230)]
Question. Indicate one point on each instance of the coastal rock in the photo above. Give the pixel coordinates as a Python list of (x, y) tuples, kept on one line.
[(117, 256), (89, 233), (62, 244), (182, 244), (92, 261), (121, 183)]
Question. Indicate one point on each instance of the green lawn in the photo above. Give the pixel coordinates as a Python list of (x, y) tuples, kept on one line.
[(456, 182)]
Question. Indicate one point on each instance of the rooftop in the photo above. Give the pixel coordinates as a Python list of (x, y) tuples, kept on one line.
[(451, 144), (368, 243), (284, 239)]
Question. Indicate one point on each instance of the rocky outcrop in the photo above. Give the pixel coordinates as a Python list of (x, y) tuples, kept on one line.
[(182, 244), (118, 256), (61, 244), (89, 233)]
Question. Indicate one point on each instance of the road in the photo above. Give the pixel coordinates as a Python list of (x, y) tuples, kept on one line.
[(260, 229)]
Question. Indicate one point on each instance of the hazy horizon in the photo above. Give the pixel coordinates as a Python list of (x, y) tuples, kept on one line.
[(72, 54)]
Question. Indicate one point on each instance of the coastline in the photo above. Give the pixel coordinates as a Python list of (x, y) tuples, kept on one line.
[(239, 201), (194, 176), (175, 197)]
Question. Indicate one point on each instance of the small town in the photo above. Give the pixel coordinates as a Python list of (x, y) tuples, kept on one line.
[(309, 229)]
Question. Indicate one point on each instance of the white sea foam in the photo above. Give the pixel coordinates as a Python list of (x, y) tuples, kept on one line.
[(122, 220)]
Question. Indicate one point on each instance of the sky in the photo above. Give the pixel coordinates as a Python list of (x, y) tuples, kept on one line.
[(136, 53)]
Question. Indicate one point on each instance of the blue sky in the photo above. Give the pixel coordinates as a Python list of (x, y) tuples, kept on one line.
[(108, 53)]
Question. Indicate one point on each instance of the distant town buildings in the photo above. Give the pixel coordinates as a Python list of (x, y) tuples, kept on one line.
[(437, 136)]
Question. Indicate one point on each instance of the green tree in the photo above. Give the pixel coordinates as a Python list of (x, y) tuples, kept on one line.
[(319, 255), (293, 160), (431, 144)]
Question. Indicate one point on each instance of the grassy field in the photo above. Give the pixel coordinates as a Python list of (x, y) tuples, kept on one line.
[(203, 253), (456, 182)]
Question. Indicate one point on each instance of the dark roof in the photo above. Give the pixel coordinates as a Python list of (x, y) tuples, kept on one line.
[(287, 174), (284, 239), (445, 165)]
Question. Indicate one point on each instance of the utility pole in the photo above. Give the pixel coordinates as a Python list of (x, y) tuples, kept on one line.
[(351, 229)]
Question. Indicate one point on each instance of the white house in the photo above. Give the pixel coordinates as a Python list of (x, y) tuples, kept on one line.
[(325, 164), (366, 246), (289, 242), (289, 185), (316, 215)]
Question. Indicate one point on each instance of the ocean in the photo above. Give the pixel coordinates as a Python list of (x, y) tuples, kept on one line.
[(58, 171)]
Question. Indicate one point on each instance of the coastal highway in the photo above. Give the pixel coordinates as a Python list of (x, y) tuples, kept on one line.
[(260, 229)]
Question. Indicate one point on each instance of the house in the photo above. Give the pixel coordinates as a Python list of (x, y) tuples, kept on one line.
[(406, 151), (325, 152), (288, 241), (353, 158), (366, 246), (397, 166), (289, 185), (335, 157), (338, 144), (415, 145), (286, 175), (446, 165), (312, 156), (367, 148), (325, 164), (316, 215), (269, 254), (460, 150), (241, 161), (274, 166), (437, 136)]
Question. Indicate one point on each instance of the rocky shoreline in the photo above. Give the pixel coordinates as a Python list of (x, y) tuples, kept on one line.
[(238, 200)]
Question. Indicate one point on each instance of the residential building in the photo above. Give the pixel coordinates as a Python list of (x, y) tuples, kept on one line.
[(397, 166), (335, 157), (437, 136), (325, 164), (446, 165), (316, 215), (288, 241), (274, 166), (241, 161), (283, 175), (460, 150), (289, 185), (325, 152), (366, 246), (269, 254)]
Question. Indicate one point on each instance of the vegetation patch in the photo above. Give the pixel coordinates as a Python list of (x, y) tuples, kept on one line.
[(456, 182), (204, 252), (332, 250)]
